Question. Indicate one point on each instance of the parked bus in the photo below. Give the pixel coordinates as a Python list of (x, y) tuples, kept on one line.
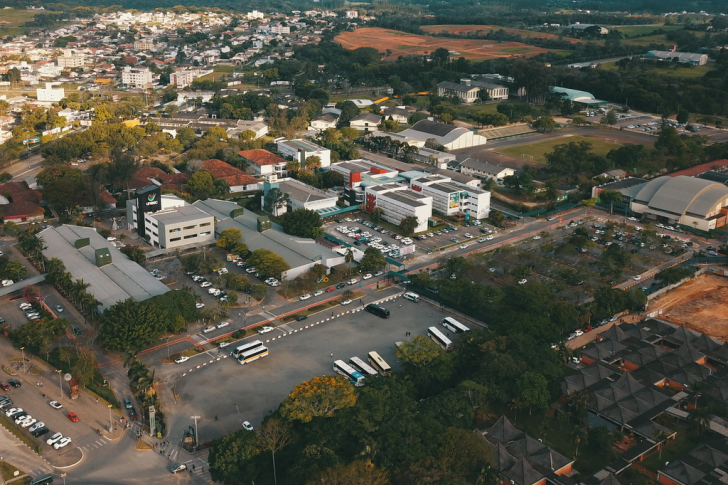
[(341, 367), (453, 325), (363, 367), (439, 338), (41, 480), (377, 310), (251, 355), (245, 348), (411, 296), (379, 364)]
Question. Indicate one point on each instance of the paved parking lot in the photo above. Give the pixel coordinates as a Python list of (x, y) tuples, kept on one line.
[(237, 393), (12, 314)]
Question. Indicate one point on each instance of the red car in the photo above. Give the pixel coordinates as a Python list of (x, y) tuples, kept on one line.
[(330, 289), (5, 387), (588, 328), (72, 417)]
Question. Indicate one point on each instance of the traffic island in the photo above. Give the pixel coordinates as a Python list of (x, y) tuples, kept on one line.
[(142, 445), (62, 461), (9, 472)]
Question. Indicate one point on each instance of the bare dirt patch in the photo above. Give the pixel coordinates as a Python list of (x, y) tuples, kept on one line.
[(700, 305), (402, 43)]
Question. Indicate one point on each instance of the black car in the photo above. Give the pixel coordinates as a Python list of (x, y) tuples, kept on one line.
[(15, 383), (341, 285), (301, 318), (40, 431)]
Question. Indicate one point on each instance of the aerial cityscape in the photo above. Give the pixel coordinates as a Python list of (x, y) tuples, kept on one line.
[(392, 242)]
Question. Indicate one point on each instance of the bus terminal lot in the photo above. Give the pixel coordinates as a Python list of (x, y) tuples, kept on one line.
[(260, 386)]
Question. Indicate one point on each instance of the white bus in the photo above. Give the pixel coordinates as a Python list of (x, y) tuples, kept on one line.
[(379, 364), (439, 338), (363, 367), (252, 355), (341, 367), (453, 325), (245, 348)]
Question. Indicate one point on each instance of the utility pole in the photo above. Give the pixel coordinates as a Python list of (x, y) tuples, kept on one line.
[(197, 435), (60, 381), (22, 349), (111, 424)]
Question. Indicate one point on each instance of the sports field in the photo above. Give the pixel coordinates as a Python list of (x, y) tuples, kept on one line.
[(402, 43), (668, 69), (632, 30), (600, 146)]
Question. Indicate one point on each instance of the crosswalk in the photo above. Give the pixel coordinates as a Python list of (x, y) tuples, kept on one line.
[(94, 444), (197, 467)]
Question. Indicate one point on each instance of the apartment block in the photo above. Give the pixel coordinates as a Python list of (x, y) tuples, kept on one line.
[(138, 77), (398, 202), (450, 198)]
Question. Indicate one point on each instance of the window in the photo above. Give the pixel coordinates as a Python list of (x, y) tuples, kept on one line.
[(175, 239), (205, 233), (205, 224), (176, 229), (190, 236), (188, 227)]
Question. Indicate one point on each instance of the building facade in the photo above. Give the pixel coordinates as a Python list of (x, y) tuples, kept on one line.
[(181, 78), (138, 77), (263, 162), (49, 94), (398, 202), (70, 58), (300, 150), (450, 198)]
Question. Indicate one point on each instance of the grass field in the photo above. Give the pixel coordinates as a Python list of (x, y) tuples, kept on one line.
[(668, 69), (632, 30), (539, 150), (464, 30), (647, 40), (12, 19)]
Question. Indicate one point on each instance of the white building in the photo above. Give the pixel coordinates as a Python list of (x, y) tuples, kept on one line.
[(398, 202), (300, 150), (682, 57), (279, 29), (181, 78), (324, 122), (450, 198), (138, 77), (469, 90), (485, 170), (265, 163), (49, 94), (449, 136), (303, 196), (351, 14), (365, 121), (70, 58)]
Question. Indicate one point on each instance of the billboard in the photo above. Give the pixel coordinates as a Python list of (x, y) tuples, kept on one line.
[(453, 200), (407, 249)]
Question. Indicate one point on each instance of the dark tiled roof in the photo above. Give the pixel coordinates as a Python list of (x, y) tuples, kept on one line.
[(433, 127)]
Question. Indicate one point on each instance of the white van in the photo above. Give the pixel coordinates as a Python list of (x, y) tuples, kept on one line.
[(412, 296)]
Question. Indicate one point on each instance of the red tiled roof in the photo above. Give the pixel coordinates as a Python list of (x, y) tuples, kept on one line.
[(28, 196), (12, 188), (174, 181), (698, 169), (141, 177), (22, 209), (261, 157), (106, 197), (223, 170)]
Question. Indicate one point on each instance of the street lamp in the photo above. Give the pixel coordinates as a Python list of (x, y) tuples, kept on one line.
[(168, 357), (197, 435), (22, 349), (63, 476), (110, 422), (60, 381)]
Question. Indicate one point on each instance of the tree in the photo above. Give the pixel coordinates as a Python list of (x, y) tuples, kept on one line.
[(358, 472), (303, 223), (135, 253), (611, 117), (377, 214), (348, 111), (231, 457), (332, 178), (349, 258), (533, 391), (463, 453), (268, 263), (544, 124), (408, 225), (229, 238), (275, 200), (683, 116), (273, 435), (313, 162), (419, 351), (373, 259), (497, 218), (201, 184), (319, 397)]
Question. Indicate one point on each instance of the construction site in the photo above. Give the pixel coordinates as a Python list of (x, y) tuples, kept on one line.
[(701, 304)]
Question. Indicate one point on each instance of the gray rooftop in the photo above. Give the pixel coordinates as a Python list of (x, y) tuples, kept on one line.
[(405, 198), (302, 192), (434, 128), (185, 213), (681, 194), (117, 281), (302, 145)]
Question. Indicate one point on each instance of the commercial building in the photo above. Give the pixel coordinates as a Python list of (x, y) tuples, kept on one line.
[(365, 121), (167, 221), (681, 57), (448, 136), (88, 256), (485, 170), (693, 202), (300, 150), (300, 253), (181, 78), (200, 123), (49, 94), (70, 59), (469, 90), (143, 44), (398, 202), (583, 98), (265, 163), (303, 196), (434, 157), (137, 77), (452, 198)]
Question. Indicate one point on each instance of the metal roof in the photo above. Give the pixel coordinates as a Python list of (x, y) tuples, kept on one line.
[(677, 195)]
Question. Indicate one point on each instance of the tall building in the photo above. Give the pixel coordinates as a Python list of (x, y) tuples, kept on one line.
[(138, 77), (49, 94), (451, 198), (181, 78), (71, 59), (398, 202)]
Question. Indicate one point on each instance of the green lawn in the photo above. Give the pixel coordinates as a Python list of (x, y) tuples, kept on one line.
[(647, 40), (539, 150), (225, 69), (8, 471), (632, 30), (668, 69)]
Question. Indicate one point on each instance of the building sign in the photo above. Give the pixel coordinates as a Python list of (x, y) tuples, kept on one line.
[(149, 200), (407, 249), (454, 200)]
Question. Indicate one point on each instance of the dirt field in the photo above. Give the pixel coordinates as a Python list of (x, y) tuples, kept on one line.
[(402, 43), (700, 305), (466, 29)]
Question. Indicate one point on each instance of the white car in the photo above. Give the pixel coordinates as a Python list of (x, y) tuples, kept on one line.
[(247, 426), (61, 443), (25, 306), (28, 422), (578, 333), (54, 438), (536, 238), (304, 297), (265, 329), (222, 271), (37, 425), (181, 360), (55, 405), (481, 240), (637, 277), (318, 292), (205, 284), (468, 235), (212, 291), (222, 345), (222, 324), (12, 411), (366, 276), (463, 246), (199, 305), (523, 281), (346, 302), (489, 238), (251, 270), (352, 281)]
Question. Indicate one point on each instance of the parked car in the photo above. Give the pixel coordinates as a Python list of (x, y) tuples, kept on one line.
[(223, 324), (352, 281), (15, 383), (181, 360), (127, 403), (54, 438), (300, 318), (345, 302), (304, 297), (523, 281), (366, 276), (318, 292), (341, 285), (73, 417), (330, 289), (222, 345), (59, 308), (265, 329), (247, 426), (205, 284), (55, 405), (62, 442)]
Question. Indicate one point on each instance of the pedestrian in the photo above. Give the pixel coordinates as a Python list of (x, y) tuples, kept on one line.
[(203, 469), (194, 467), (216, 417), (332, 314), (332, 355)]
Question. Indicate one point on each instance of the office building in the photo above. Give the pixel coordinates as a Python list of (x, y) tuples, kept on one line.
[(181, 78), (399, 202), (300, 150), (137, 77), (453, 198)]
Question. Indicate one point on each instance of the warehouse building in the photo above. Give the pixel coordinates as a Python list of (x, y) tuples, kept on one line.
[(452, 198), (88, 256), (681, 57), (398, 202), (448, 136)]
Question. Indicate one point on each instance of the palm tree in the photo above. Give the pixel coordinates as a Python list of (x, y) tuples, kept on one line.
[(349, 258), (660, 436), (78, 288), (146, 382), (578, 435), (129, 358), (699, 419), (695, 388)]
